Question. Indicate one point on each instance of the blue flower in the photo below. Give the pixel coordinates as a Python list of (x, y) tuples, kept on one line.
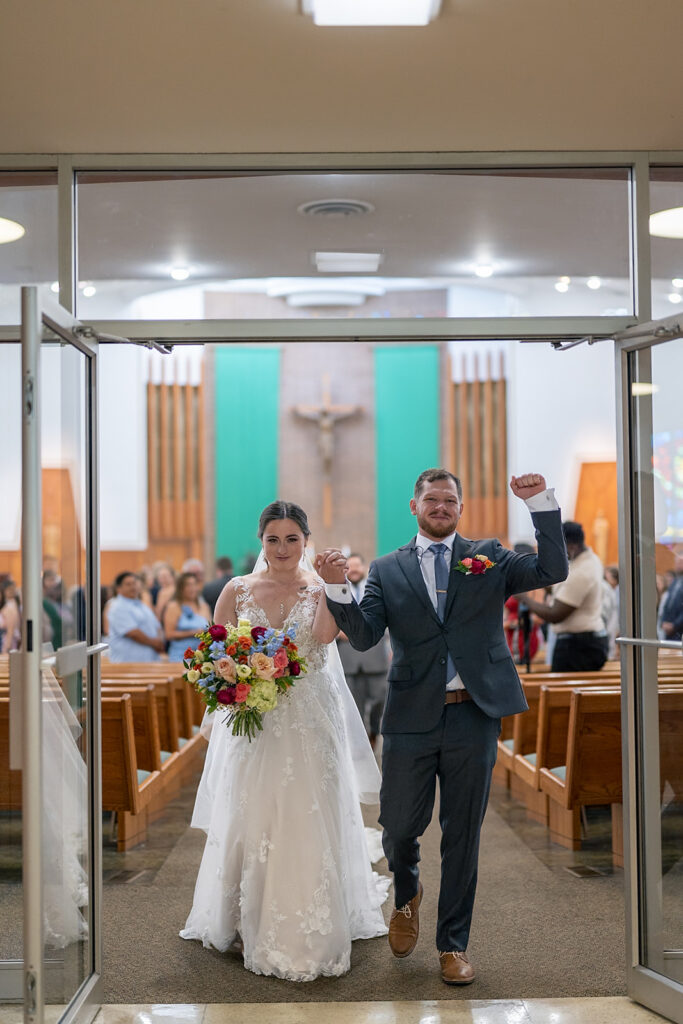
[(217, 650)]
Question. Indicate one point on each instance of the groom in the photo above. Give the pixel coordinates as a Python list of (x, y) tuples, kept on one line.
[(451, 680)]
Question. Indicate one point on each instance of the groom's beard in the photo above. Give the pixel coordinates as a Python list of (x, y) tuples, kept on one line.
[(438, 527)]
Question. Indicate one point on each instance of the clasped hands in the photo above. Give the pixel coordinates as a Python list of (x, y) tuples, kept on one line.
[(331, 565)]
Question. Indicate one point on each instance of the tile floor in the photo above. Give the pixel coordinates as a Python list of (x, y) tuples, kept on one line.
[(616, 1010)]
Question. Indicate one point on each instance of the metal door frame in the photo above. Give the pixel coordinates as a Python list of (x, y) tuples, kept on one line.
[(85, 1002), (640, 719)]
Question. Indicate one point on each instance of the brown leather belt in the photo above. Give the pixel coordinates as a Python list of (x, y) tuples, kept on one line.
[(457, 696)]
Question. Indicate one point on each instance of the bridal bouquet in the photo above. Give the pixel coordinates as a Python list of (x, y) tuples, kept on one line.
[(244, 670)]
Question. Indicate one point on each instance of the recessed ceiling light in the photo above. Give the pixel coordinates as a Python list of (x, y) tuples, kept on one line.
[(371, 12), (667, 223), (180, 273), (562, 285), (593, 283), (483, 270), (89, 291), (564, 279), (317, 298), (675, 297), (54, 287), (677, 282), (10, 230), (347, 262)]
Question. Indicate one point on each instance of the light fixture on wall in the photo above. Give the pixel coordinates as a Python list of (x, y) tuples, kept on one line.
[(667, 223), (562, 284), (593, 283), (371, 12), (10, 230), (483, 269)]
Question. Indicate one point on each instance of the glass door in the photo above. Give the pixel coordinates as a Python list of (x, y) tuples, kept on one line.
[(55, 678), (650, 407)]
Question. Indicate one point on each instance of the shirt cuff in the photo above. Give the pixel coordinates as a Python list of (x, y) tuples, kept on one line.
[(545, 501), (340, 593)]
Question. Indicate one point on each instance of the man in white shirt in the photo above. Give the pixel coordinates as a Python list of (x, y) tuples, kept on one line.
[(575, 609), (451, 680)]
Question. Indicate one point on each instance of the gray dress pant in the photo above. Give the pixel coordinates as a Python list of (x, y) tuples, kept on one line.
[(461, 752)]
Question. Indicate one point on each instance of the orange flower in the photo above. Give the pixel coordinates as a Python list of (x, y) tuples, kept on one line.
[(231, 650), (244, 642)]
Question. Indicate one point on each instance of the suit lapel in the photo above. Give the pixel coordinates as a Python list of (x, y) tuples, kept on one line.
[(410, 567), (462, 548)]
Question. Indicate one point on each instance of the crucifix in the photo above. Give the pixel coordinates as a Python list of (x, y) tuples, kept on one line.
[(326, 415)]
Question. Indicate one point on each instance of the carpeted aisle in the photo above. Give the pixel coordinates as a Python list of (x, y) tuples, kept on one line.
[(537, 933)]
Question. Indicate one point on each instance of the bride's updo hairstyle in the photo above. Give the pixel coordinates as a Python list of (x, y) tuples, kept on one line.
[(283, 510)]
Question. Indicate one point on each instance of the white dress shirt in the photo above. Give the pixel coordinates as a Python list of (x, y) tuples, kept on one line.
[(545, 501)]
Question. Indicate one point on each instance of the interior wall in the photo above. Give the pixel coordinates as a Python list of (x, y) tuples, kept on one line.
[(261, 77)]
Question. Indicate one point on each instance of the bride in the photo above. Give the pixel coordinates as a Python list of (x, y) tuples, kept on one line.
[(286, 869)]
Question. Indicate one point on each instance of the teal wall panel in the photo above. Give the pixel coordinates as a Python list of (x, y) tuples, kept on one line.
[(407, 434), (247, 392)]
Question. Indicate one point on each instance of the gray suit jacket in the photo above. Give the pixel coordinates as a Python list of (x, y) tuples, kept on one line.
[(373, 661), (472, 631)]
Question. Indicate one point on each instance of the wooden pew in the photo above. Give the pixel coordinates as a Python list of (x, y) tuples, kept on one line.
[(126, 789), (177, 732), (518, 732), (530, 740), (591, 773), (10, 781)]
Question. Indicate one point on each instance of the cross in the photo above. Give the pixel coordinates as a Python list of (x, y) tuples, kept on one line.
[(326, 415)]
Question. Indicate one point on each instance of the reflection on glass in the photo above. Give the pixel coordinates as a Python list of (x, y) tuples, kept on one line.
[(29, 199), (543, 242), (11, 893), (666, 194), (659, 538), (63, 477)]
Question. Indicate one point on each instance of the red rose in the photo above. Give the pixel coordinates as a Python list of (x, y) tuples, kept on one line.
[(293, 668), (189, 654), (477, 567), (218, 632), (257, 632), (226, 696)]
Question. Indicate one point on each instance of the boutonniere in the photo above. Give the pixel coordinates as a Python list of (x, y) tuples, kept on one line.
[(476, 566)]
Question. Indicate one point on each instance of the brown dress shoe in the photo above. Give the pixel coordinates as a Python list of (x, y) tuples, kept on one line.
[(404, 926), (456, 968)]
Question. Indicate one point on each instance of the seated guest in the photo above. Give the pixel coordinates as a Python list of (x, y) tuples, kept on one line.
[(212, 590), (185, 614), (671, 616), (10, 616), (581, 642), (134, 631)]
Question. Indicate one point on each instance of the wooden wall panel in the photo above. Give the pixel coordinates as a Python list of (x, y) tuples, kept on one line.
[(480, 445)]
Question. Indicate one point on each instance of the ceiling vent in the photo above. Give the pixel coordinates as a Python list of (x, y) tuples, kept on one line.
[(335, 208)]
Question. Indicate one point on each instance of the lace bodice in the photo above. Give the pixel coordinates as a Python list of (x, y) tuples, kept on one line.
[(302, 614)]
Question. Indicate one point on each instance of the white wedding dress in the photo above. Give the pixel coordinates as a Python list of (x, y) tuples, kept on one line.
[(286, 865)]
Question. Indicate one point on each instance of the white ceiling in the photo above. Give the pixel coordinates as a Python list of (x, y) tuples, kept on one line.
[(249, 76)]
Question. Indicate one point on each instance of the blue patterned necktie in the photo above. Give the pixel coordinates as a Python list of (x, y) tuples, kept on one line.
[(441, 580)]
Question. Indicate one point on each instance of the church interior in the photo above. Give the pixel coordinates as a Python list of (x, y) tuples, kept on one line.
[(318, 242)]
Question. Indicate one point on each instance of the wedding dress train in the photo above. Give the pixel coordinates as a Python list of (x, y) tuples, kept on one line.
[(286, 866)]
